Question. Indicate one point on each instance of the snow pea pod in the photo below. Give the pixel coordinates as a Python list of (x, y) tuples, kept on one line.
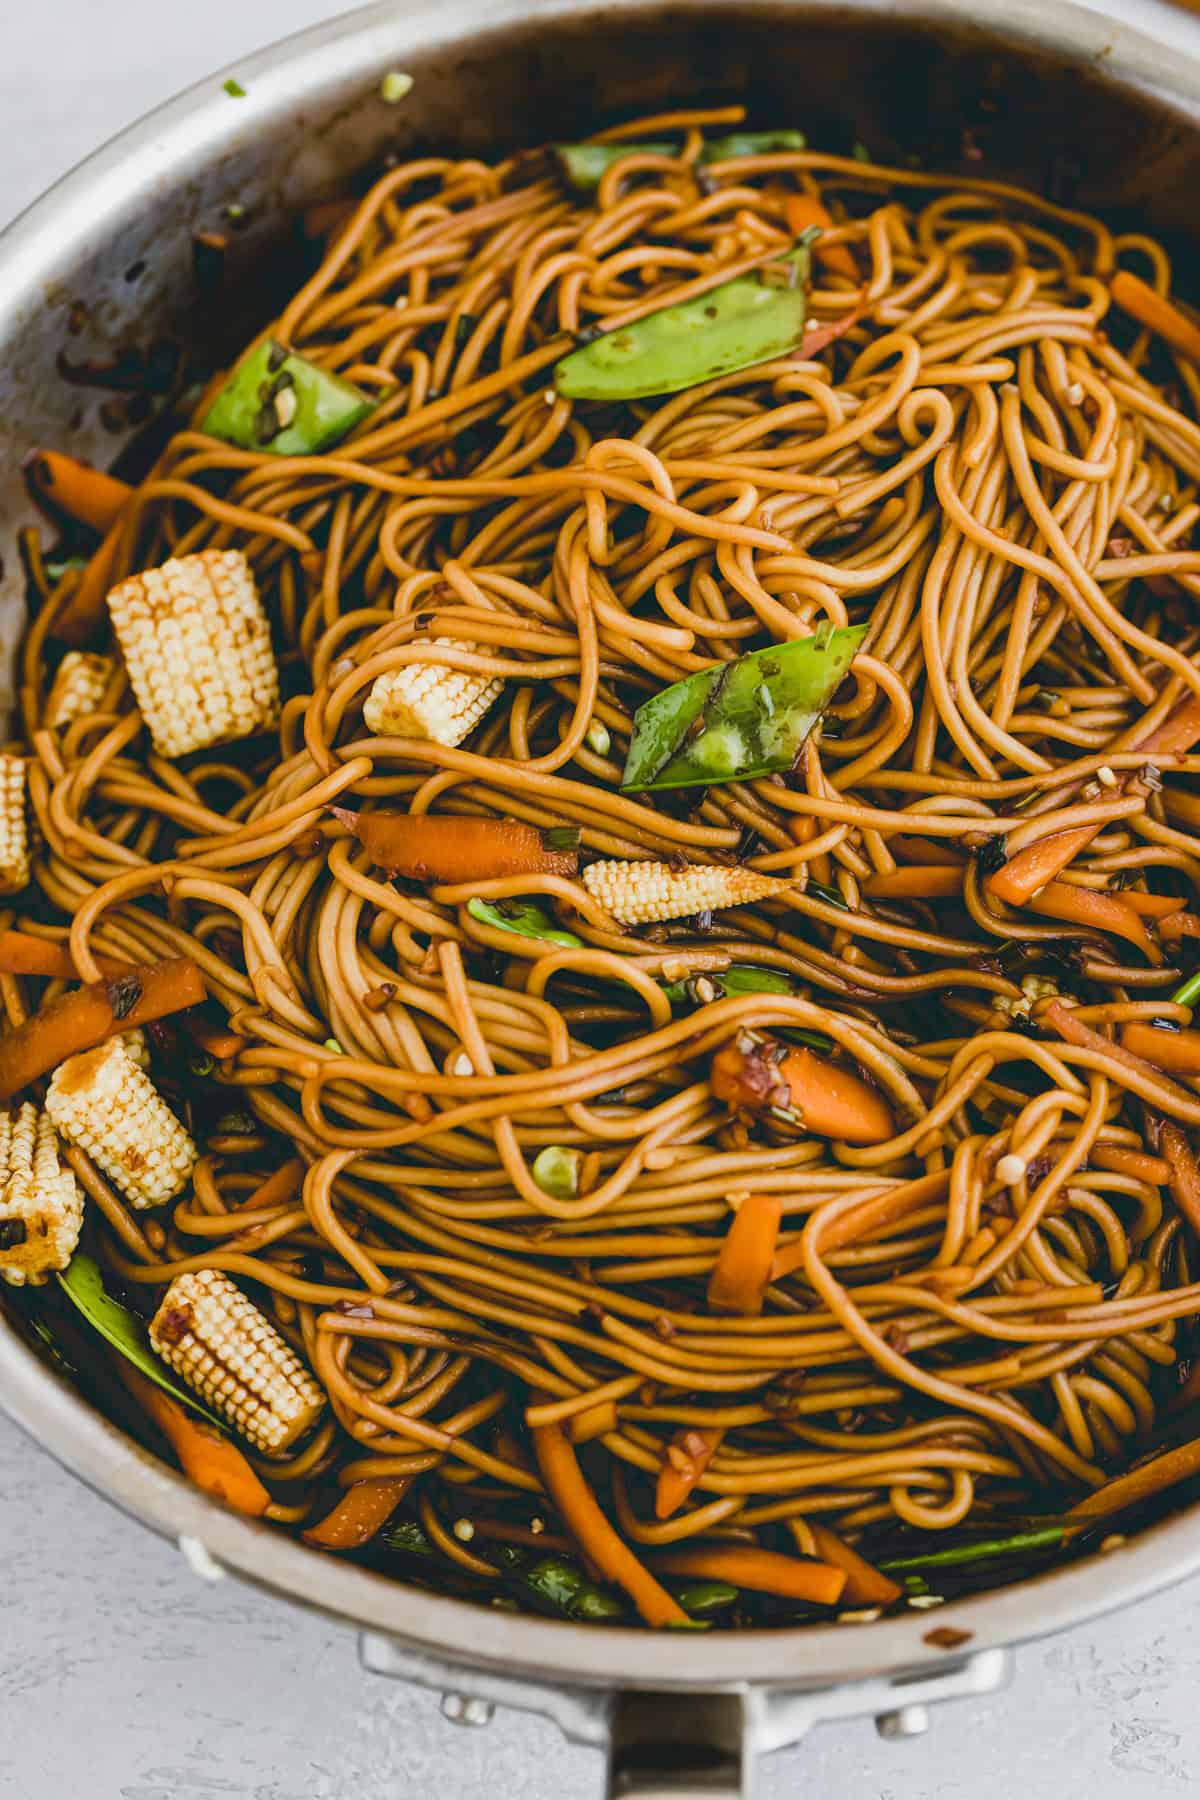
[(523, 917), (584, 165), (281, 402), (738, 720), (742, 322), (558, 1584), (961, 1556)]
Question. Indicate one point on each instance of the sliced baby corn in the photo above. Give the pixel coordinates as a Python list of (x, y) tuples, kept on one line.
[(135, 1047), (222, 1346), (101, 1101), (41, 1207), (643, 893), (78, 687), (198, 649), (430, 700), (14, 833)]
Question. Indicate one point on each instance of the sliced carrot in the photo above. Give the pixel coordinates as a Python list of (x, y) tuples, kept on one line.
[(738, 1283), (1141, 302), (277, 1188), (75, 488), (595, 1421), (1150, 906), (802, 212), (1178, 925), (1042, 860), (1184, 1171), (688, 1456), (865, 1584), (1094, 912), (931, 881), (764, 1571), (212, 1461), (581, 1513), (363, 1509), (819, 337), (926, 850), (1178, 1052), (1142, 1483), (87, 1015), (762, 1075), (447, 848), (1130, 1162), (218, 1043), (21, 953), (1060, 1018)]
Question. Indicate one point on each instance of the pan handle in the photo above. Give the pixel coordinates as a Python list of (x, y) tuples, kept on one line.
[(678, 1747)]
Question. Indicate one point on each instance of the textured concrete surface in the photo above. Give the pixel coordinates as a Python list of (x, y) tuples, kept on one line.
[(122, 1677)]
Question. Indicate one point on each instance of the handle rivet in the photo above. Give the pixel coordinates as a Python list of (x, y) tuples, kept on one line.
[(905, 1722), (465, 1709)]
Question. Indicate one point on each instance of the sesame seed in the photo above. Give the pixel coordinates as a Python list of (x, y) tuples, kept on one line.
[(922, 1602), (1075, 394), (1105, 776), (537, 1526), (460, 1064), (863, 1617), (1010, 1169), (464, 1531), (285, 407), (705, 990)]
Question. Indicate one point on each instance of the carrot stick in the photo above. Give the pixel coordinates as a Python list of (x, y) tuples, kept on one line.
[(926, 850), (931, 881), (819, 337), (1178, 1052), (739, 1281), (1141, 302), (1041, 861), (581, 1514), (23, 954), (1130, 1489), (363, 1509), (756, 1074), (447, 848), (1178, 925), (218, 1043), (86, 1016), (1150, 906), (688, 1455), (1061, 1019), (865, 1584), (76, 488), (1130, 1162), (1094, 912), (802, 212), (766, 1571), (83, 614), (212, 1461), (1184, 1172), (278, 1187)]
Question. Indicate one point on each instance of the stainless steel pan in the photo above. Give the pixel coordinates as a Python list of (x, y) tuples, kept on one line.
[(1102, 108)]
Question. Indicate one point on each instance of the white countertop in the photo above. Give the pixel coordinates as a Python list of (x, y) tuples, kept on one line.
[(123, 1677)]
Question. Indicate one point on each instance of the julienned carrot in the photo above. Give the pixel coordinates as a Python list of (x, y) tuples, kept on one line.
[(1178, 1052), (865, 1584), (755, 1074), (1094, 912), (1150, 906), (218, 1043), (764, 1571), (212, 1461), (581, 1514), (802, 212), (929, 881), (593, 1422), (1141, 302), (446, 848), (688, 1455), (1142, 1483), (739, 1280), (1061, 1019), (85, 1016), (926, 850), (1130, 1162), (363, 1509), (1178, 925), (278, 1187), (83, 614), (819, 337), (21, 953), (76, 488), (1042, 860), (1183, 1171)]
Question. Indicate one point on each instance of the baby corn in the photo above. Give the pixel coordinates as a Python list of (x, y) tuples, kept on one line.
[(198, 650), (78, 687), (101, 1101), (430, 700), (41, 1207), (14, 835), (223, 1347), (642, 893)]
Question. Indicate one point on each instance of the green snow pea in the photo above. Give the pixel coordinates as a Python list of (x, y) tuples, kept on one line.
[(739, 978), (961, 1556), (83, 1284), (742, 322), (524, 918), (584, 165), (557, 1583), (281, 402), (699, 1598), (741, 719)]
